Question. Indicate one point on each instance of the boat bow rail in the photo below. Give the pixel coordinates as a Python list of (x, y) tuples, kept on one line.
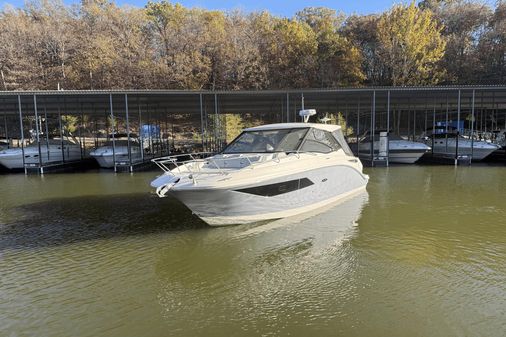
[(175, 160), (192, 163)]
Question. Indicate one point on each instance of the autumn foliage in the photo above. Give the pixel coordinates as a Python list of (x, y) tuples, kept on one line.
[(99, 45)]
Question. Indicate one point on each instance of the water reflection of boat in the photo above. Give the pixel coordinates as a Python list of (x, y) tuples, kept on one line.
[(259, 270), (267, 172), (338, 218), (52, 151)]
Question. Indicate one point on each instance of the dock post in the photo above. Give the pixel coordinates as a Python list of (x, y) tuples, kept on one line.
[(128, 133), (414, 124), (446, 125), (492, 112), (426, 118), (167, 141), (346, 120), (201, 120), (458, 131), (373, 122), (37, 125), (433, 126), (47, 132), (358, 127), (82, 137), (61, 134), (287, 107), (140, 130), (5, 124), (150, 139), (111, 111), (22, 133), (215, 122), (388, 127), (472, 126)]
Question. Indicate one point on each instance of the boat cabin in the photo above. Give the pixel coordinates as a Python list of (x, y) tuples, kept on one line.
[(289, 138)]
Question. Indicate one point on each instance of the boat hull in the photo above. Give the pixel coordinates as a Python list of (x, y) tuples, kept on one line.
[(14, 160), (105, 157), (107, 161), (405, 156), (478, 153), (273, 198), (400, 151), (399, 156)]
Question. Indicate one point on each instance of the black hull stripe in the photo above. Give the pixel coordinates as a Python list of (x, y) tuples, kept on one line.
[(278, 188)]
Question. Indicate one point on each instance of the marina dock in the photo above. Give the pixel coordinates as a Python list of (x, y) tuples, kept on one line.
[(140, 125)]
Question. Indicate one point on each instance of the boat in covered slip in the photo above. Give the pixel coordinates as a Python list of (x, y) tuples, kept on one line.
[(51, 151), (106, 154), (399, 150), (499, 138), (268, 172), (445, 140)]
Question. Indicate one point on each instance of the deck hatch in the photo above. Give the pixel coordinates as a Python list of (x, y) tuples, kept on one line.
[(278, 188)]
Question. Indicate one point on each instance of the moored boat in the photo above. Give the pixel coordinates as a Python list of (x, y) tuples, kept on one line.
[(268, 172), (51, 151), (117, 150), (399, 150), (446, 141)]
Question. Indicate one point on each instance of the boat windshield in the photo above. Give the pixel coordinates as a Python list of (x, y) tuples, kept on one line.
[(266, 141)]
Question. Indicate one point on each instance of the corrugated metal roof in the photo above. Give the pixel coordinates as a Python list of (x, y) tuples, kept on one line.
[(253, 92)]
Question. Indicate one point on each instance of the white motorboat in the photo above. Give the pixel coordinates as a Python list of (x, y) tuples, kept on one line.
[(105, 155), (500, 138), (399, 150), (444, 142), (51, 151), (268, 172)]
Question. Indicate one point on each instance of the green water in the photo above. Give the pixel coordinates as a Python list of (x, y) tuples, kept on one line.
[(423, 253)]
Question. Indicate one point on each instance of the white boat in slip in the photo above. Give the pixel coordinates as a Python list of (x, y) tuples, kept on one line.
[(106, 155), (399, 150), (268, 172), (51, 151), (446, 142)]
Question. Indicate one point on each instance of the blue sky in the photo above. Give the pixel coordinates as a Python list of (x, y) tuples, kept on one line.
[(280, 8)]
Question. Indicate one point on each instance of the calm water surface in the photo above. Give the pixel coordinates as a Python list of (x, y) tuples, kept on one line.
[(423, 253)]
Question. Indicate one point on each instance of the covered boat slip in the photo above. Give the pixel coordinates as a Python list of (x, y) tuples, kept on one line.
[(158, 123)]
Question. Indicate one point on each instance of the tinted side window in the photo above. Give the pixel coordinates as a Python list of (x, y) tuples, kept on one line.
[(312, 146), (320, 141)]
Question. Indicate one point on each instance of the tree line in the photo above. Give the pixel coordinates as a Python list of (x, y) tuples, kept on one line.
[(99, 45)]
